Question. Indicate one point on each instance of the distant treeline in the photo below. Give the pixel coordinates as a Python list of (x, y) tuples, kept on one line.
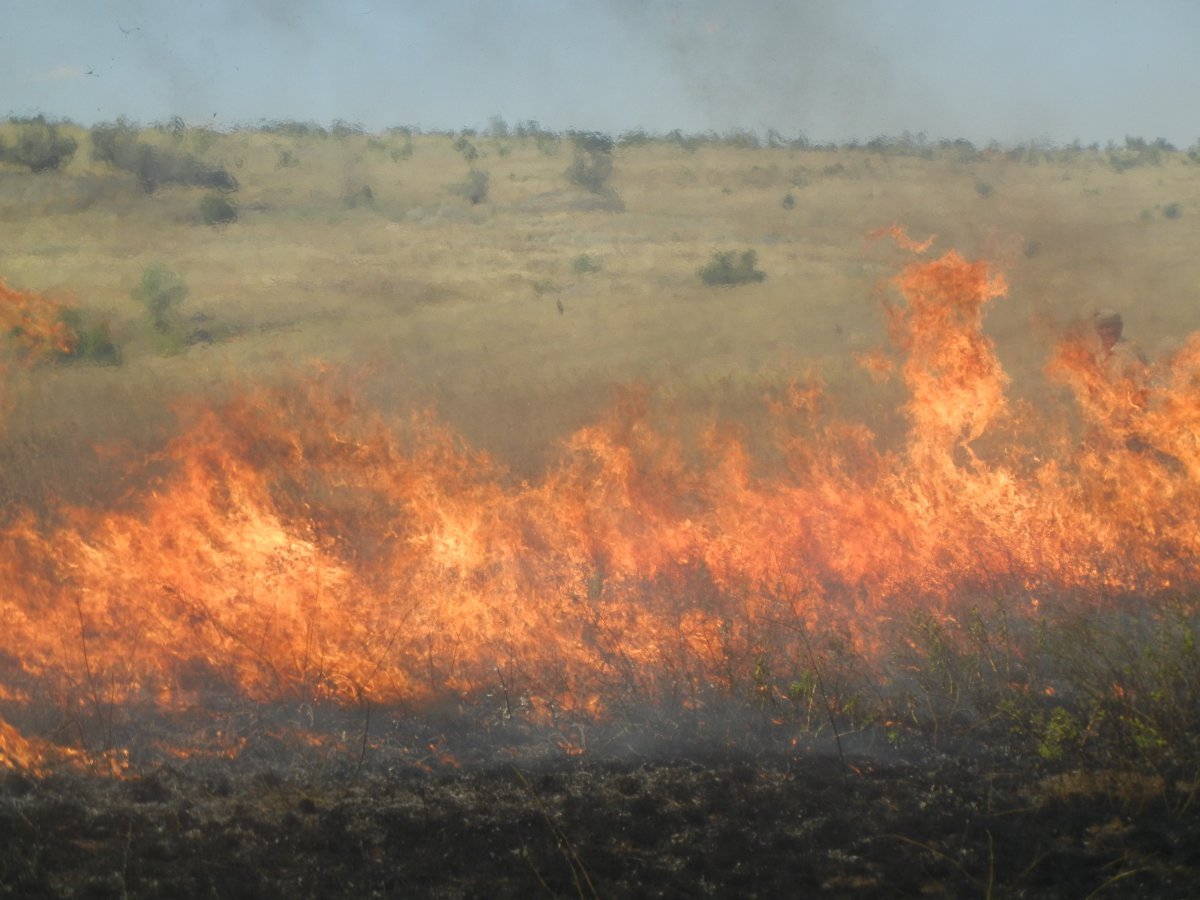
[(41, 146)]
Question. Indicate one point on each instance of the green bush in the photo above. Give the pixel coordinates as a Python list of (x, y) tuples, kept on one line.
[(464, 146), (584, 265), (161, 291), (119, 146), (1172, 211), (216, 210), (39, 146), (592, 165), (93, 340), (728, 268)]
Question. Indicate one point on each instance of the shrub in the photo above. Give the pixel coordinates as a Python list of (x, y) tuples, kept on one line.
[(118, 145), (788, 201), (39, 146), (584, 265), (355, 196), (1172, 211), (727, 268), (216, 210), (343, 129), (475, 188), (1139, 152), (162, 291), (983, 189), (93, 340), (464, 146), (592, 165)]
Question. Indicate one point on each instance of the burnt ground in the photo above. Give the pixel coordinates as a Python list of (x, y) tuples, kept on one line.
[(712, 820)]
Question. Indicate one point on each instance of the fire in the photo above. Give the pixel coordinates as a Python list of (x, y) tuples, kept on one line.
[(302, 548)]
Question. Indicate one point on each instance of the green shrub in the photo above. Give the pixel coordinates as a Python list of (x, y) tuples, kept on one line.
[(464, 146), (343, 129), (118, 145), (39, 146), (728, 268), (983, 189), (584, 265), (1172, 211), (788, 201), (1139, 152), (161, 291), (592, 166), (216, 210), (93, 340)]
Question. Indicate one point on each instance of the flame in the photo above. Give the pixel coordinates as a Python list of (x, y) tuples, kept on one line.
[(296, 546), (903, 241), (33, 326)]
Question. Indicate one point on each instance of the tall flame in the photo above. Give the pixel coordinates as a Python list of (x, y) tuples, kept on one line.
[(301, 547)]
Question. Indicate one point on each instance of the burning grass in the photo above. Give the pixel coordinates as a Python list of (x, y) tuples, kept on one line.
[(1001, 580)]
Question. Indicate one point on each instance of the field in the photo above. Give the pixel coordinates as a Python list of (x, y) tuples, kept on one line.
[(453, 525), (456, 305)]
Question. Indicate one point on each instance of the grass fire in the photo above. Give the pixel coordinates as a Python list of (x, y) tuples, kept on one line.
[(283, 601)]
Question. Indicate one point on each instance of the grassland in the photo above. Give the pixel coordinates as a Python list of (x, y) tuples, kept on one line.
[(1039, 757), (357, 250)]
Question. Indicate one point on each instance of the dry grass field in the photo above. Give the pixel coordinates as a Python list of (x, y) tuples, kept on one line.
[(488, 312)]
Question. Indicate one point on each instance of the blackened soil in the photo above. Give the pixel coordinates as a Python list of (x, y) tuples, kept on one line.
[(747, 827)]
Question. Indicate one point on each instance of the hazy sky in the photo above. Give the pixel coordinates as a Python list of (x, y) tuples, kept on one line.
[(1008, 70)]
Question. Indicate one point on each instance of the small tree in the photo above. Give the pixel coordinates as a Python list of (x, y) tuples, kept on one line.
[(592, 165), (39, 146)]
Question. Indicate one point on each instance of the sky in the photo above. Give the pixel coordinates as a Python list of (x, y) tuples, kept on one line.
[(831, 70)]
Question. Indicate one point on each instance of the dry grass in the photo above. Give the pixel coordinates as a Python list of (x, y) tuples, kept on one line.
[(479, 311)]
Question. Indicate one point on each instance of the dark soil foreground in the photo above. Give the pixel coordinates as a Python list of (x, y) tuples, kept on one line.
[(698, 824)]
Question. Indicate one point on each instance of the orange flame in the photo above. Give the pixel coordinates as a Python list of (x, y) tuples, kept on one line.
[(302, 548), (903, 241)]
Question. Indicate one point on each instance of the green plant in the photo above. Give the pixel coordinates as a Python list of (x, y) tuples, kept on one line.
[(464, 146), (475, 188), (161, 291), (358, 195), (217, 210), (983, 189), (788, 201), (1139, 152), (118, 145), (584, 265), (592, 165), (93, 340), (39, 146), (728, 268), (1172, 211), (1055, 732)]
